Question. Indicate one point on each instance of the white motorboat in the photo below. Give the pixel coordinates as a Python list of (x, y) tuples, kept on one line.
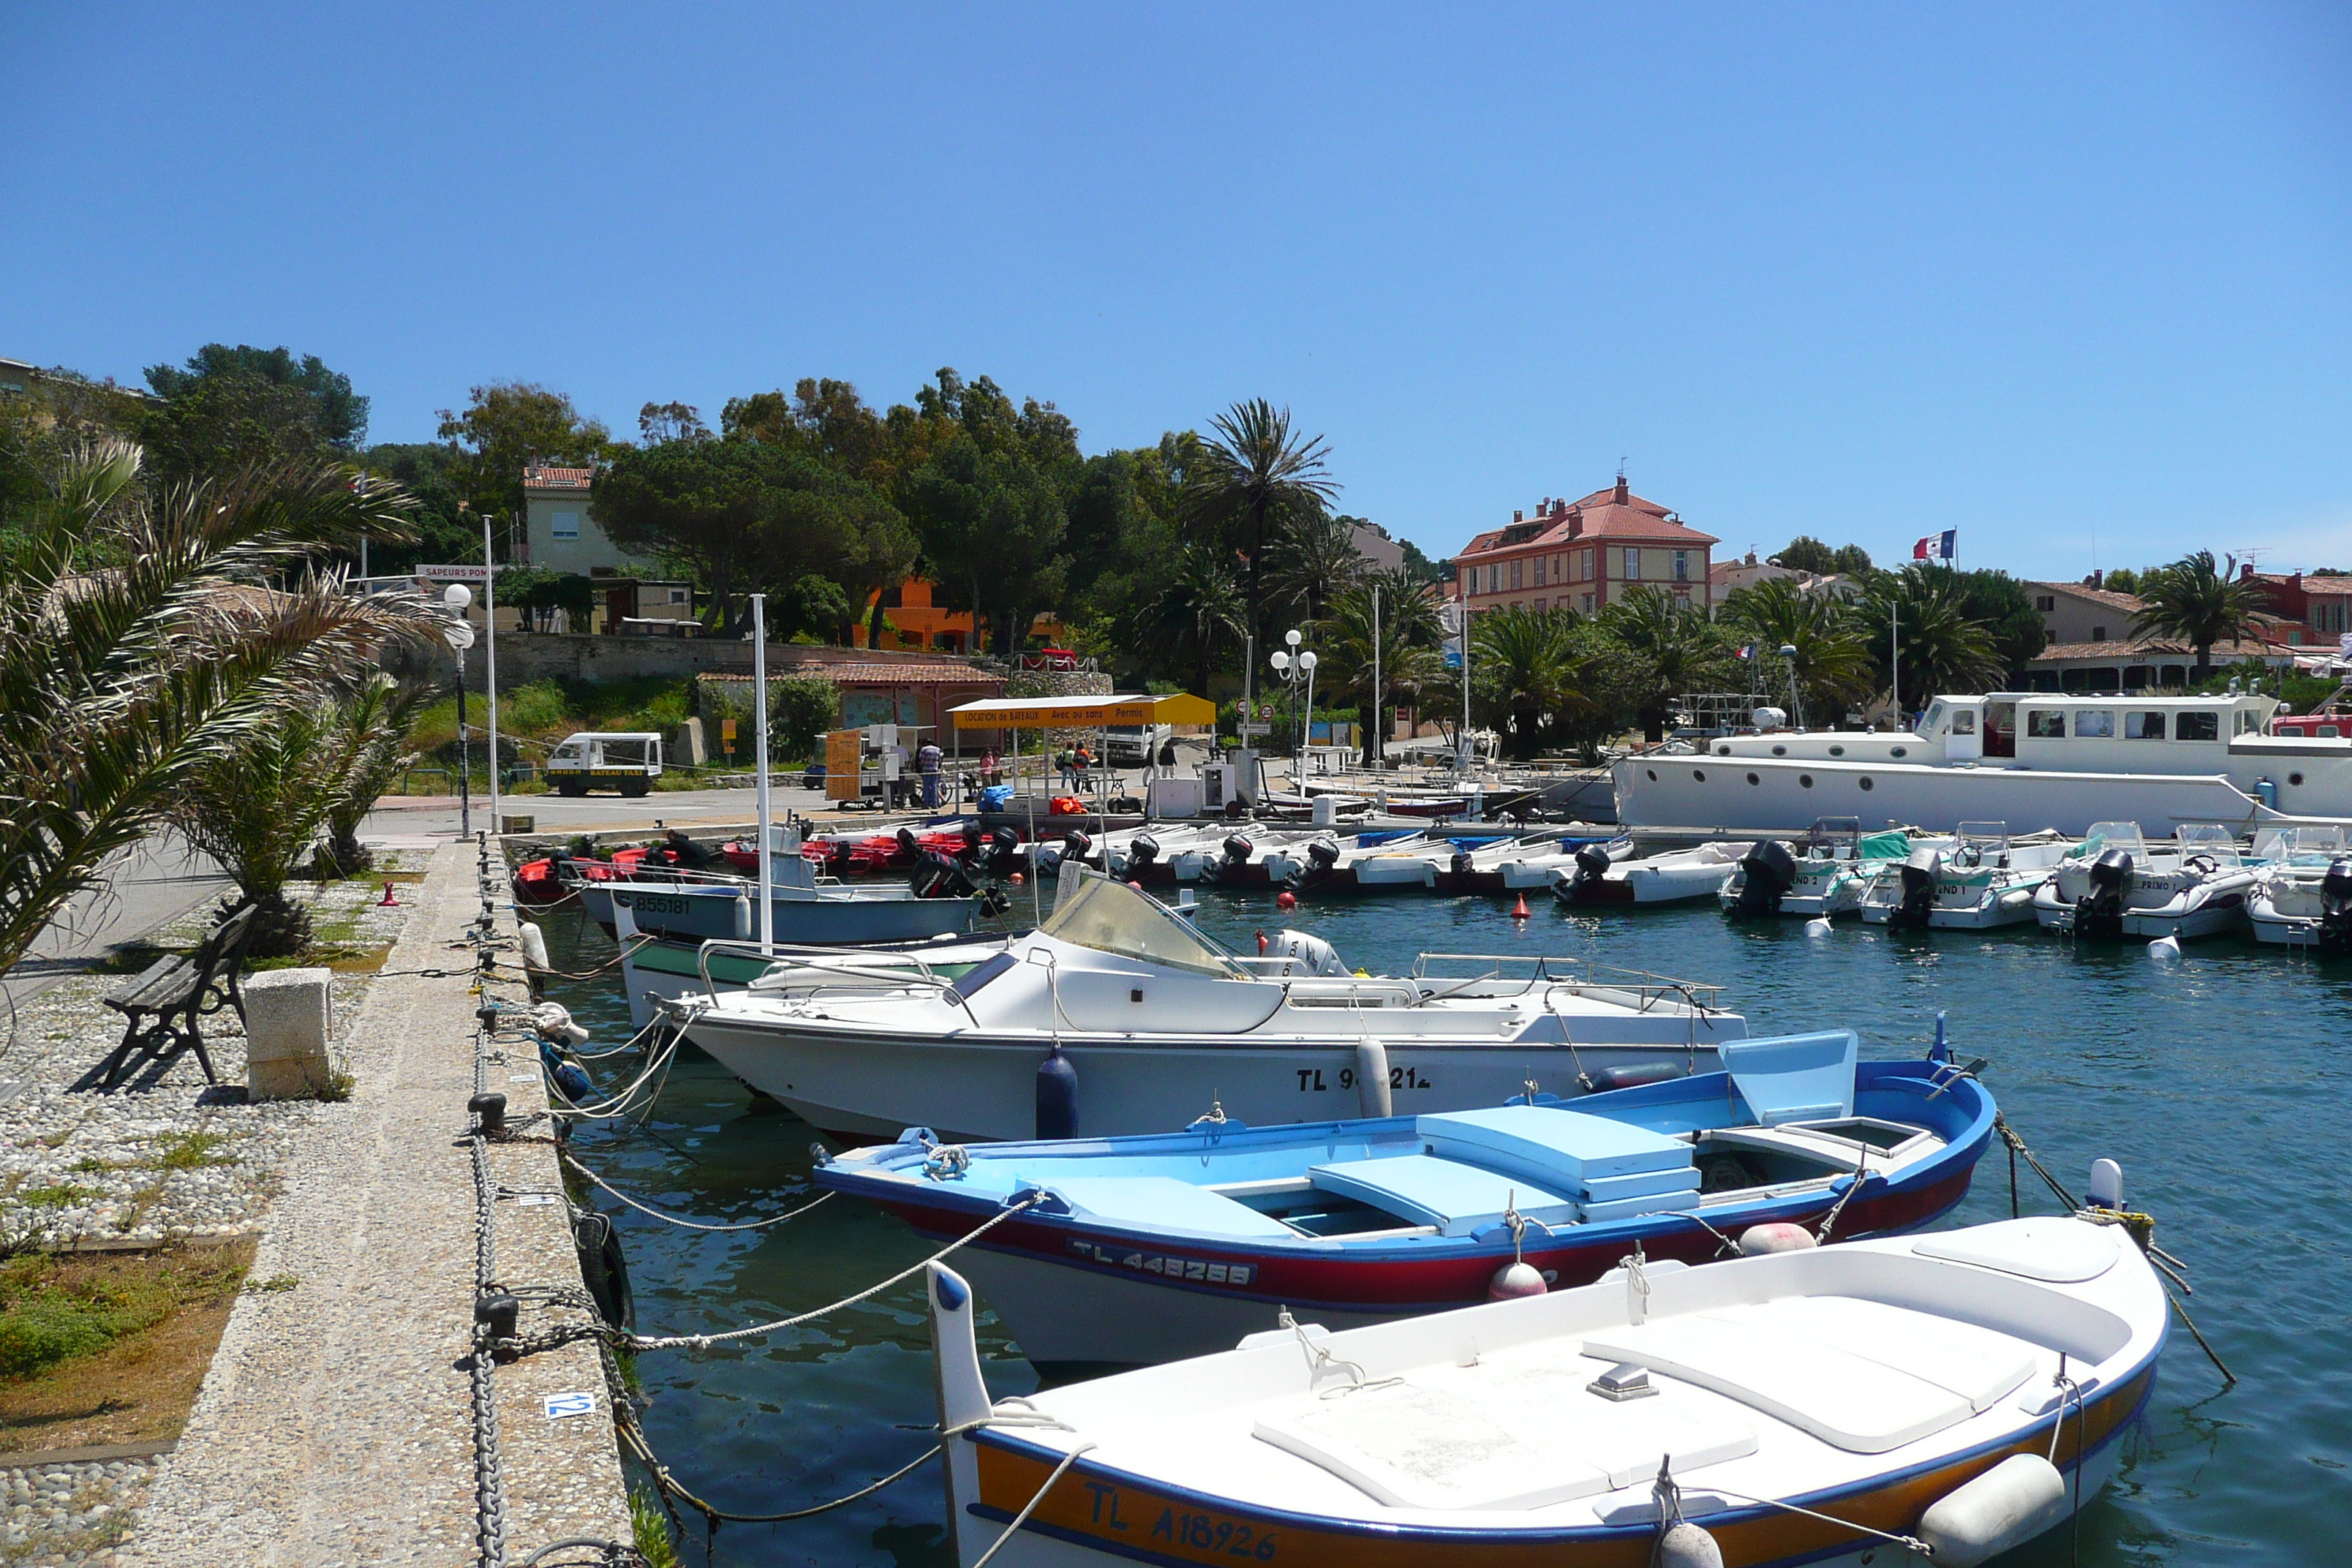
[(1838, 864), (1985, 880), (1116, 1015), (1676, 876), (2063, 762), (1250, 855), (1945, 1397), (1148, 854), (2119, 885), (2302, 896), (1413, 863), (1527, 869)]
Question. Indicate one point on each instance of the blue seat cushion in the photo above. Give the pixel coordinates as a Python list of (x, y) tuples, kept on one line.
[(1458, 1199), (1564, 1149)]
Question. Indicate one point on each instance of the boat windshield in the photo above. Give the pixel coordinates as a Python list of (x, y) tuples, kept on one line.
[(2300, 846), (2106, 835), (1111, 916), (2208, 838)]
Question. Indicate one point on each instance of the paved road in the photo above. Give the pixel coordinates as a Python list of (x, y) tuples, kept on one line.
[(400, 817), (148, 884)]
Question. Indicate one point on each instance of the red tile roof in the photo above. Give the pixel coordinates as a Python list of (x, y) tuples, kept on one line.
[(1603, 517), (907, 673), (2142, 648), (558, 479), (2130, 602)]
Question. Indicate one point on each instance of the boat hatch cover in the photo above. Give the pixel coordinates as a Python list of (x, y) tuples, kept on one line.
[(2048, 1248), (1566, 1148), (1459, 1200), (1492, 1436), (1794, 1364), (1794, 1078), (1161, 1204)]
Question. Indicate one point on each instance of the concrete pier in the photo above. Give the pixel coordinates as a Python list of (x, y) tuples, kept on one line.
[(335, 1425)]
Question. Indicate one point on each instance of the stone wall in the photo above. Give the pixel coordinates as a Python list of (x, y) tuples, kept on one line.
[(571, 655)]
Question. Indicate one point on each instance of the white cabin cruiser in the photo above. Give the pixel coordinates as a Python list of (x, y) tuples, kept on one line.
[(1116, 1015), (2049, 759), (2119, 885), (1985, 880), (2302, 896), (1838, 864), (1677, 876)]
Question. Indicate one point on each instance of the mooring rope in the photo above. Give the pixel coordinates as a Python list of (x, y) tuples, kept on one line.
[(567, 1157)]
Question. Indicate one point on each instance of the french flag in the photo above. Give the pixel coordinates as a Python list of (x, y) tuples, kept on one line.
[(1944, 546)]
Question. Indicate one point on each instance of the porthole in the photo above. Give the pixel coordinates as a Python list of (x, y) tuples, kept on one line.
[(1837, 750), (1753, 779), (1900, 752), (1806, 780), (1779, 751), (1867, 785), (1652, 772), (2294, 778), (1723, 750), (1700, 774)]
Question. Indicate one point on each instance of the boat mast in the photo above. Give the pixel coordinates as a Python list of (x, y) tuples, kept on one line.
[(760, 739), (1894, 653)]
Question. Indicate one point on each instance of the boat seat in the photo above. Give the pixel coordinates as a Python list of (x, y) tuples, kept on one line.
[(1506, 1434), (1568, 1150), (1794, 1078), (2054, 1248), (1423, 1189), (1161, 1203), (1864, 1380)]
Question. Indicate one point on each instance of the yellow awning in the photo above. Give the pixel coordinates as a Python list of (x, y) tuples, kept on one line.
[(1083, 712)]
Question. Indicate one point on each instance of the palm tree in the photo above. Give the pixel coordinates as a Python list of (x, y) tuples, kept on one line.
[(137, 640), (1315, 559), (1920, 612), (1674, 649), (1199, 608), (1832, 666), (1408, 635), (258, 806), (371, 740), (1257, 476), (2192, 600), (1523, 662)]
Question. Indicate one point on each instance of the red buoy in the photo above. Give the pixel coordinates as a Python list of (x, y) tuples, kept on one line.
[(1285, 899), (387, 901), (1016, 878), (1261, 943), (1519, 909)]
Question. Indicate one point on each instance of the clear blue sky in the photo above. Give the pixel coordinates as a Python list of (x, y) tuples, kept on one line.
[(2066, 282)]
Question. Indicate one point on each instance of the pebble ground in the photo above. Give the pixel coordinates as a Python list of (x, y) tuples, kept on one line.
[(71, 1513)]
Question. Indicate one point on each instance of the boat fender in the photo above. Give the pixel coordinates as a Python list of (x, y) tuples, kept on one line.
[(1819, 926), (1513, 1280), (1607, 1078), (604, 1269), (1780, 1235), (534, 945), (1372, 1079), (1686, 1545), (1057, 1096), (553, 1021), (2106, 1190), (2007, 1506), (2164, 950)]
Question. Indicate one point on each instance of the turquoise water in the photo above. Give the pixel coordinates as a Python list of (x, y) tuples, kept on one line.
[(2207, 1078)]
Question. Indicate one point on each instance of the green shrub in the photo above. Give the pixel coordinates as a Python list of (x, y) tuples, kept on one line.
[(46, 1329)]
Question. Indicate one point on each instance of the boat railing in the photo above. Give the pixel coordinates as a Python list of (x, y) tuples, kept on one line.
[(1352, 991), (831, 969), (1533, 969)]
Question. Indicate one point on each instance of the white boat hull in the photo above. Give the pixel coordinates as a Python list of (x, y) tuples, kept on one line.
[(972, 1087)]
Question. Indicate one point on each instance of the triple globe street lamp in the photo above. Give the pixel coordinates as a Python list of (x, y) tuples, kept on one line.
[(1294, 667)]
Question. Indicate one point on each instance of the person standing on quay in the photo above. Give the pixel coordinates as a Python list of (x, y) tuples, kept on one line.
[(928, 762)]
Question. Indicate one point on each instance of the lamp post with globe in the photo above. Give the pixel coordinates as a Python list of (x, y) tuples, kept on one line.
[(1788, 659), (460, 637), (1294, 666)]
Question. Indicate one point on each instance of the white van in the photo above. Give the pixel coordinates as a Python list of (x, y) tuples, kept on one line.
[(594, 759)]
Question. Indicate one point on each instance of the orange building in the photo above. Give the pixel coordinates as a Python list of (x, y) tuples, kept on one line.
[(1585, 555), (920, 623)]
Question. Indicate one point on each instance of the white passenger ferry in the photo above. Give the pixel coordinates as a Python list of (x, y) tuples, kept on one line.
[(2035, 759)]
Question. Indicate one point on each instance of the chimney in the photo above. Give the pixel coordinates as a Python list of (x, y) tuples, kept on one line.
[(1752, 558), (1575, 524), (1518, 516), (2246, 573), (1559, 507), (1543, 507), (1623, 495)]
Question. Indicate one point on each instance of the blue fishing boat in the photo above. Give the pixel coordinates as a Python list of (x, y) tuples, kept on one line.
[(1139, 1249)]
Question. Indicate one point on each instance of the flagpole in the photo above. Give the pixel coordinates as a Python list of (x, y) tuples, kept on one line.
[(759, 741)]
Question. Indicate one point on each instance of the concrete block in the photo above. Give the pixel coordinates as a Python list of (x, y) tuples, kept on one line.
[(689, 747), (518, 823), (289, 1019)]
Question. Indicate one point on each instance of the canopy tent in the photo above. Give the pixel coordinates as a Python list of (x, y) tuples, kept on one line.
[(1082, 712)]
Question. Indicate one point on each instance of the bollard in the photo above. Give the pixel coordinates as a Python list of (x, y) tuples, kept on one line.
[(491, 1107), (289, 1020), (387, 901)]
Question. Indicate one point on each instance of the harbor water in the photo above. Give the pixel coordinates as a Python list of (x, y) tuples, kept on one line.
[(2206, 1077)]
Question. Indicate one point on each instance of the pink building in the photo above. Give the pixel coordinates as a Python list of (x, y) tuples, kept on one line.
[(1585, 555)]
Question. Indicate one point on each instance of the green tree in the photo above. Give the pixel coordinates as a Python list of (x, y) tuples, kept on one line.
[(369, 733), (138, 639), (1922, 611), (1197, 612), (1256, 478), (2193, 600), (1832, 665), (259, 807), (1674, 649), (1315, 559), (1524, 665), (509, 425), (1806, 554), (228, 407), (440, 528), (1421, 568), (1405, 622), (1851, 559), (2002, 605)]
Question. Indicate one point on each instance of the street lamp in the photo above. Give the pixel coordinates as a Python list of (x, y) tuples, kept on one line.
[(1788, 654), (1294, 666), (460, 637)]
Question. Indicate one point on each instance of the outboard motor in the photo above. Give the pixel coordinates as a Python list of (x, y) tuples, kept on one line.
[(1322, 860), (2336, 908), (1920, 874), (1000, 851), (1767, 873), (1142, 856), (1593, 864), (908, 848), (1076, 845), (938, 876), (1238, 849), (2100, 911)]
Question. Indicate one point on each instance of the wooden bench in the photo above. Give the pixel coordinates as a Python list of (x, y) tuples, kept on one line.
[(163, 1006)]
